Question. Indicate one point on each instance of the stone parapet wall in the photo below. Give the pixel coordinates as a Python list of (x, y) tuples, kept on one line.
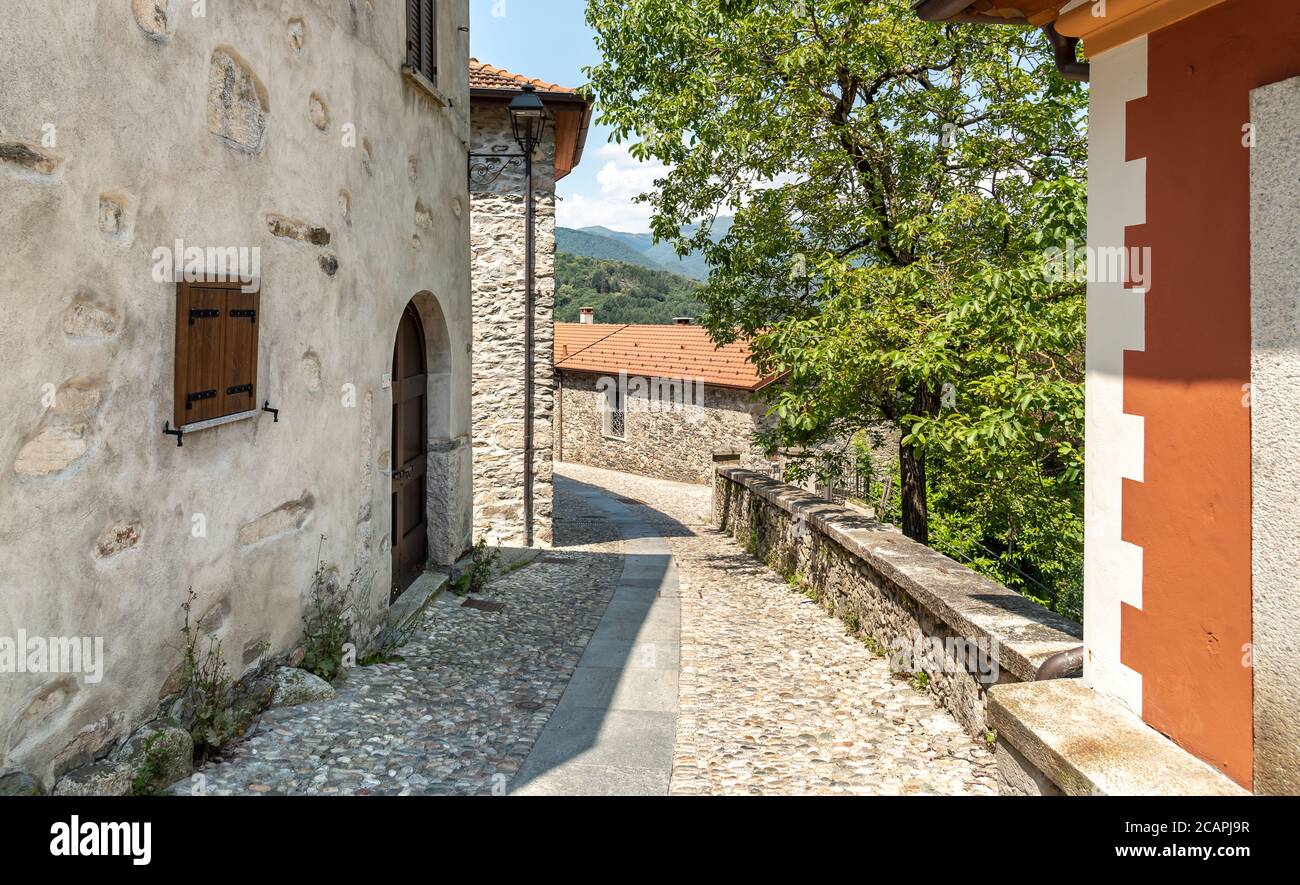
[(673, 444), (930, 614)]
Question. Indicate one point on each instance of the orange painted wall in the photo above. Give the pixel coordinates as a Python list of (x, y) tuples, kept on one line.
[(1192, 514)]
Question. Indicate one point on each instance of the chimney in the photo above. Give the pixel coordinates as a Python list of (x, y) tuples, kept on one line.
[(588, 315), (683, 321)]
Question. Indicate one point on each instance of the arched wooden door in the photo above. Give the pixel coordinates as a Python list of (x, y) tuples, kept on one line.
[(410, 453)]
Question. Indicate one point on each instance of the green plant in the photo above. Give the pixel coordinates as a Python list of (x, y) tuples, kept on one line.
[(327, 628), (482, 568), (852, 623), (897, 189), (207, 691), (794, 579), (872, 646), (991, 738), (151, 771), (920, 680)]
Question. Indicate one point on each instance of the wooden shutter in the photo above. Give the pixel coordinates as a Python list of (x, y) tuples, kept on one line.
[(239, 360), (429, 40), (413, 33), (422, 37), (217, 327)]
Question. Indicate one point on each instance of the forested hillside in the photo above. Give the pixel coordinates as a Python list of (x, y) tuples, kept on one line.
[(621, 292)]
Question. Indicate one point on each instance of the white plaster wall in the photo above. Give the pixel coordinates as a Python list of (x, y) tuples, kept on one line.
[(1116, 323), (130, 113), (1275, 416)]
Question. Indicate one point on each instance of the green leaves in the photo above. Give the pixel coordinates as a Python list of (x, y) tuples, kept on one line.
[(895, 186)]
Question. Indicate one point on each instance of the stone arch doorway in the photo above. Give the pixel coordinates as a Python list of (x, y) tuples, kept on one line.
[(410, 450), (424, 524)]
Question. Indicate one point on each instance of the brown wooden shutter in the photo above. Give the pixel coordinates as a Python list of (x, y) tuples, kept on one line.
[(429, 40), (217, 327), (413, 33), (239, 360)]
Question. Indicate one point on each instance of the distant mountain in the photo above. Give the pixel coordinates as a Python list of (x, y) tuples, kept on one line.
[(640, 249), (589, 245), (621, 292)]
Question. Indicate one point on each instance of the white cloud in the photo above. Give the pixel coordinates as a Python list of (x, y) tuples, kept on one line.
[(620, 179)]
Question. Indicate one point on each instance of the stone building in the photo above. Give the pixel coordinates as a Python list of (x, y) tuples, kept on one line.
[(661, 401), (497, 185), (228, 223)]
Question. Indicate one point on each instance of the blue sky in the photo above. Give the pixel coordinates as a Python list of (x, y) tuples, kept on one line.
[(550, 40)]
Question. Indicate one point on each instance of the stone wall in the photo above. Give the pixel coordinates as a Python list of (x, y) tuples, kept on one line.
[(498, 225), (1274, 398), (674, 444), (954, 632), (125, 126)]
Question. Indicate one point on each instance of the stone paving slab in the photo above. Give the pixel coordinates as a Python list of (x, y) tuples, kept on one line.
[(617, 721)]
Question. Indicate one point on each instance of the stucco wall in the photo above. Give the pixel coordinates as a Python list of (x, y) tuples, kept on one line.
[(675, 444), (498, 221), (136, 130), (1116, 327), (1275, 405)]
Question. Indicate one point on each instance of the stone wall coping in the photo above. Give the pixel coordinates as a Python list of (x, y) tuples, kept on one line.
[(973, 606), (1090, 744)]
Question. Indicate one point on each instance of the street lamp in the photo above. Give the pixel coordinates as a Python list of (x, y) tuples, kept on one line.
[(528, 119)]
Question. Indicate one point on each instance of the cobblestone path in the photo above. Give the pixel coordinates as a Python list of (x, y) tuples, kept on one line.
[(774, 697), (461, 712)]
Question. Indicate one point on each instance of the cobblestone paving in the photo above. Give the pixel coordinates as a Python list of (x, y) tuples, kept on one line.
[(775, 697), (460, 713)]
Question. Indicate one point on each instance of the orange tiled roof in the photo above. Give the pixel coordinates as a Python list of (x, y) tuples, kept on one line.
[(485, 76), (655, 352)]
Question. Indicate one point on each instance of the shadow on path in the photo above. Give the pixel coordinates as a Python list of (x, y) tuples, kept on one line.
[(614, 729)]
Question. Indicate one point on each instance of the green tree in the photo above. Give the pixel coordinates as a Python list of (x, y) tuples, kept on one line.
[(895, 186), (621, 292)]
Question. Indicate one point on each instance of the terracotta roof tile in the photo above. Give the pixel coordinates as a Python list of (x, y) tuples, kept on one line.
[(655, 352), (485, 76)]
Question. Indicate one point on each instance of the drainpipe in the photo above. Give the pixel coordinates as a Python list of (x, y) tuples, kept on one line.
[(1066, 665), (559, 410), (529, 273), (1067, 61)]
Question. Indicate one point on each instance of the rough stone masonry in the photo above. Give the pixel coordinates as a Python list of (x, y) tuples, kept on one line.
[(497, 243)]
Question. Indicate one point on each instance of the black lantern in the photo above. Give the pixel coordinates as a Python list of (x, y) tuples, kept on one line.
[(528, 117)]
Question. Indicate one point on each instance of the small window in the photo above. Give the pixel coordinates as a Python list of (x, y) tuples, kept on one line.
[(217, 327), (422, 38), (613, 413)]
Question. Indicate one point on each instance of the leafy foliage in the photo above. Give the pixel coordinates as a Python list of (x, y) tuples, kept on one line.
[(482, 568), (207, 691), (895, 186), (621, 293), (327, 626)]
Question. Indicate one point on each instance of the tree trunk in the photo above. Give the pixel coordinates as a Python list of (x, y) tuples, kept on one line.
[(911, 462)]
